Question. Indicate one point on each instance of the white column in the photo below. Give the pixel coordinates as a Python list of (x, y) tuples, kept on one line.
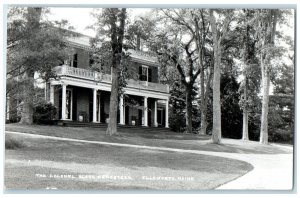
[(99, 107), (155, 113), (51, 94), (167, 114), (145, 111), (94, 105), (64, 98), (121, 107)]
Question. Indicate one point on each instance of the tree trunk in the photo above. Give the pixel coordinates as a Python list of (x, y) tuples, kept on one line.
[(245, 112), (189, 109), (203, 126), (245, 117), (216, 130), (265, 71), (33, 23), (216, 133), (246, 61), (27, 98), (117, 35), (203, 104), (113, 105), (265, 105)]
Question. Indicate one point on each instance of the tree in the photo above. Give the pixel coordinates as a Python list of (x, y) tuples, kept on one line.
[(201, 31), (267, 21), (249, 87), (190, 62), (218, 36), (231, 113), (33, 46), (282, 103), (115, 19)]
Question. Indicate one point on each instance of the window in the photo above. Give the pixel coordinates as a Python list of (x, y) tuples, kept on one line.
[(143, 73), (75, 60)]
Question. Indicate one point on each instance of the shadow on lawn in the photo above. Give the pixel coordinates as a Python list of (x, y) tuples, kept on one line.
[(151, 138)]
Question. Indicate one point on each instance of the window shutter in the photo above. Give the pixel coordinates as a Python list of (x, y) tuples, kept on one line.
[(149, 75), (75, 59), (140, 73)]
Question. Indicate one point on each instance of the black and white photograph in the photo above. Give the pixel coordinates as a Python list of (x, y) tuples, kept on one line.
[(149, 99)]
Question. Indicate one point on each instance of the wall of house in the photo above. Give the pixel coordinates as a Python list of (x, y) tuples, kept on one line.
[(83, 98), (57, 88), (83, 61), (83, 58), (135, 71), (133, 112), (105, 96)]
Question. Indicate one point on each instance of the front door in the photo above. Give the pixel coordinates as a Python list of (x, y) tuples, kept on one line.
[(159, 117)]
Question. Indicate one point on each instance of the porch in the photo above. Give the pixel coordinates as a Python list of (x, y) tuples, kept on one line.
[(81, 106), (105, 79)]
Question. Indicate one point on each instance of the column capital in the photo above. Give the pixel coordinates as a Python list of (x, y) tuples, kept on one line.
[(63, 83)]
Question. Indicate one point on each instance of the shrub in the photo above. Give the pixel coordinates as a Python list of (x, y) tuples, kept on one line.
[(44, 113), (281, 136), (12, 144), (177, 122)]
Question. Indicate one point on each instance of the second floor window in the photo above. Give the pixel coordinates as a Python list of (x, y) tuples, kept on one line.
[(75, 60), (143, 73)]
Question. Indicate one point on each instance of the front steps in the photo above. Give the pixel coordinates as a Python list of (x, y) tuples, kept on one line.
[(104, 126)]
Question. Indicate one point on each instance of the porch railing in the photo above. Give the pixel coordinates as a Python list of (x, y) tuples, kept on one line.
[(101, 77)]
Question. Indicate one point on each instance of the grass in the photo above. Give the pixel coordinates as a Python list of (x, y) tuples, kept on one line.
[(153, 138), (12, 143), (31, 167)]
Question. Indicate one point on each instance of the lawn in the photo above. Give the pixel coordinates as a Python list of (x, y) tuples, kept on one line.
[(56, 164), (154, 138)]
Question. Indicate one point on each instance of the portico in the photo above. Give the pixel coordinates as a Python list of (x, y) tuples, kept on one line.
[(85, 100)]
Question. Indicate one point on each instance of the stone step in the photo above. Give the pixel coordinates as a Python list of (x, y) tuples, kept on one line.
[(104, 125)]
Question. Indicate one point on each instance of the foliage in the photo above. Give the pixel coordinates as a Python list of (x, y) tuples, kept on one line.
[(231, 113), (37, 50), (34, 46), (102, 53), (111, 27), (177, 115), (44, 113)]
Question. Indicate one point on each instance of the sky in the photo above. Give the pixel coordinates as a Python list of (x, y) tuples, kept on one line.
[(80, 18)]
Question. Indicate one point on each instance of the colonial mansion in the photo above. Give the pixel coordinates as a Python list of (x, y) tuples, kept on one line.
[(83, 95)]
